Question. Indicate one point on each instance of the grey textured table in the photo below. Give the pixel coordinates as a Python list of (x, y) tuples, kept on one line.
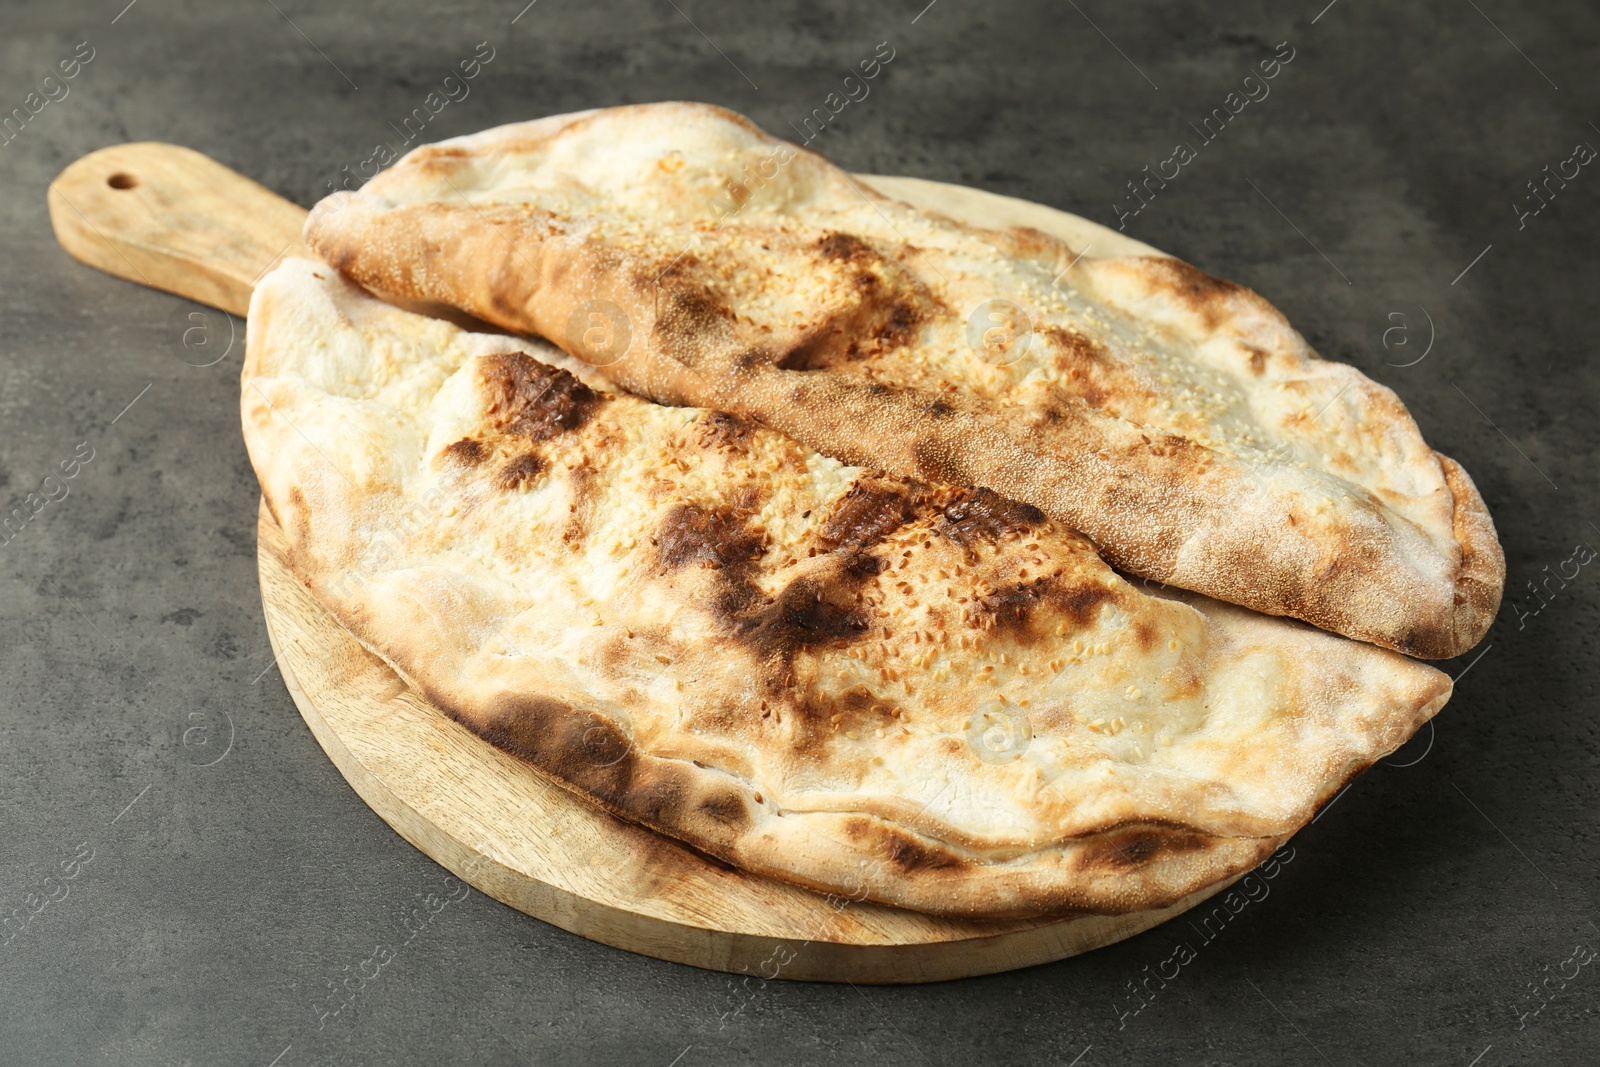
[(187, 876)]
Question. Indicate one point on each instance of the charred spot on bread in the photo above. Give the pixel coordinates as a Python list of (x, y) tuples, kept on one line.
[(863, 266), (583, 485), (588, 751), (582, 748), (526, 398), (898, 325), (1074, 346), (984, 515), (519, 473), (818, 718), (869, 512), (908, 854), (465, 453), (845, 247), (726, 806), (1144, 635), (858, 566), (1193, 287), (1018, 608), (875, 307), (1129, 848), (714, 535), (806, 613), (1088, 371)]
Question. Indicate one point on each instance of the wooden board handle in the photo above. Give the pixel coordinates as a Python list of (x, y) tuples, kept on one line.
[(170, 218)]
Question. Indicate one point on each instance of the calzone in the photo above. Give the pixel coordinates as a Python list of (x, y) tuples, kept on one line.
[(917, 692), (1175, 419)]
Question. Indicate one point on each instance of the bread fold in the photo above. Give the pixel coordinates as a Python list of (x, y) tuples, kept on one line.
[(886, 688), (1174, 419)]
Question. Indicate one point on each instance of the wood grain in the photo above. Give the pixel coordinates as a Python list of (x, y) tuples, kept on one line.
[(171, 218)]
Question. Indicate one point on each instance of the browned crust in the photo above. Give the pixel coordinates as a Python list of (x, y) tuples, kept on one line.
[(1127, 866), (1483, 561), (1130, 866), (1124, 863), (1159, 505), (1139, 497)]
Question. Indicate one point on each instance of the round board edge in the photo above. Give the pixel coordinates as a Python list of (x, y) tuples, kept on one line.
[(785, 930)]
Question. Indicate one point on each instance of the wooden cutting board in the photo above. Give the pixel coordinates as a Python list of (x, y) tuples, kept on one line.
[(173, 219)]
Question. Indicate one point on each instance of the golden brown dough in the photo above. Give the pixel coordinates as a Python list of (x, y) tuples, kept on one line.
[(923, 695), (1175, 419)]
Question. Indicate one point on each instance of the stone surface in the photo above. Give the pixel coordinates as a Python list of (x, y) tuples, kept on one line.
[(233, 879)]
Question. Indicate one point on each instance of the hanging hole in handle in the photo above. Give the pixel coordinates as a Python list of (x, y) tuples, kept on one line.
[(120, 180)]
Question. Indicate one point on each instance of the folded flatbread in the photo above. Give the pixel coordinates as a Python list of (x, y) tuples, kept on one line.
[(923, 695), (1175, 419)]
